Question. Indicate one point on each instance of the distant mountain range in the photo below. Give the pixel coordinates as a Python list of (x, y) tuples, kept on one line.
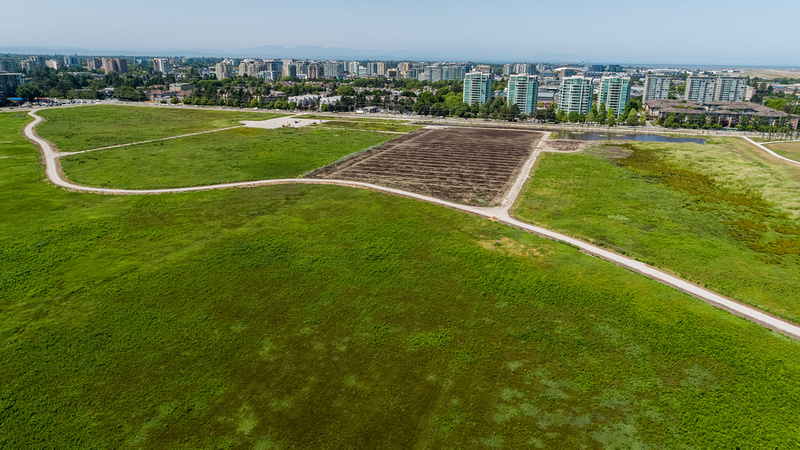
[(300, 52), (324, 53)]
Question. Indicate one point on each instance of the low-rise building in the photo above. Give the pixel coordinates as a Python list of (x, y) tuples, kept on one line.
[(727, 114), (304, 101)]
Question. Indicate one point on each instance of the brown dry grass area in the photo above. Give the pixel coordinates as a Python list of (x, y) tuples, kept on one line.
[(563, 145), (464, 165), (771, 73)]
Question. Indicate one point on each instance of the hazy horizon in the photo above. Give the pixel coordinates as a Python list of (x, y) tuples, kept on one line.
[(616, 31)]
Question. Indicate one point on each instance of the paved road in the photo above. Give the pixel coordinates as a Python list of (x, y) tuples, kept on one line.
[(499, 213)]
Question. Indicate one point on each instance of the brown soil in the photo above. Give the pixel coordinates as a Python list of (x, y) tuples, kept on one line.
[(464, 165)]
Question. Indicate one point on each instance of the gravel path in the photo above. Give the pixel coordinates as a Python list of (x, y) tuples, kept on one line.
[(499, 214)]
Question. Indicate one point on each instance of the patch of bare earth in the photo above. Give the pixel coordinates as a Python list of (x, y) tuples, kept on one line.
[(463, 165), (564, 145)]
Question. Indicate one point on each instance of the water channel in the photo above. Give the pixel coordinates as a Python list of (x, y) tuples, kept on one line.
[(600, 136)]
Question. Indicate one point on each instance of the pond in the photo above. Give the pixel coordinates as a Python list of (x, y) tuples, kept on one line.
[(600, 136)]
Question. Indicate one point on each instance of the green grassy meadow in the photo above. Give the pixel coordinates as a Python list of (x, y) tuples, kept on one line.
[(720, 214), (789, 150), (322, 316), (95, 126), (371, 126), (239, 154)]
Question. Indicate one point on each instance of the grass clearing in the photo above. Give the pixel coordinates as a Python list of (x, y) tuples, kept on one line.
[(320, 316), (371, 126), (789, 150), (240, 154), (705, 213), (95, 126)]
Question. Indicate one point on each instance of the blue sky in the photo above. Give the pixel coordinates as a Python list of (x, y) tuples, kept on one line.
[(732, 32)]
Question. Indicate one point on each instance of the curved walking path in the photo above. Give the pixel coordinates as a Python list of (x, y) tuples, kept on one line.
[(499, 213), (770, 151)]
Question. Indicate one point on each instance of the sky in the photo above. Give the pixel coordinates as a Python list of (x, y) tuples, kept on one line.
[(714, 32)]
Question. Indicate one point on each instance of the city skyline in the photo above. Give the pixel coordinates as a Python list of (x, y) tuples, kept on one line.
[(685, 33)]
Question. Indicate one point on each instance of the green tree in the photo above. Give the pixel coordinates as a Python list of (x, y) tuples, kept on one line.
[(561, 115), (602, 113), (346, 90), (574, 117), (633, 119), (29, 92), (611, 120)]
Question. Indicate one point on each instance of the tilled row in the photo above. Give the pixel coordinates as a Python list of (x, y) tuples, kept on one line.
[(465, 165)]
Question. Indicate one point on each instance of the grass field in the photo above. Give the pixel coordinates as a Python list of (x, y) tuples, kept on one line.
[(240, 154), (371, 126), (320, 316), (86, 127), (790, 150), (716, 214)]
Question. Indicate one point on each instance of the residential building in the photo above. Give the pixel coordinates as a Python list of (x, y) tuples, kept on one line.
[(269, 75), (402, 68), (477, 87), (614, 92), (250, 67), (548, 94), (161, 65), (72, 61), (289, 70), (9, 82), (454, 71), (483, 68), (304, 101), (223, 70), (94, 63), (524, 69), (53, 64), (119, 65), (313, 71), (274, 65), (7, 65), (575, 95), (330, 101), (730, 89), (656, 87), (431, 73), (749, 92), (32, 63), (700, 89), (380, 69), (181, 87), (523, 90), (332, 69)]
